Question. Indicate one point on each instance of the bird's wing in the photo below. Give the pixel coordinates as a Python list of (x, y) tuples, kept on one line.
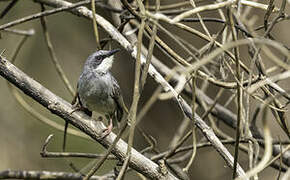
[(117, 96), (77, 102)]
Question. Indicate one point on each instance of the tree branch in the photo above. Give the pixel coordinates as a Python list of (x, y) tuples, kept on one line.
[(14, 174)]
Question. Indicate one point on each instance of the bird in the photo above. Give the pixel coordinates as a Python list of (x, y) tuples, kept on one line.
[(99, 91)]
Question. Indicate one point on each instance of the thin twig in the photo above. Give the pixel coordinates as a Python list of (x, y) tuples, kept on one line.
[(150, 51), (95, 25), (239, 92), (52, 53), (10, 5), (46, 154), (194, 106), (29, 32), (45, 13)]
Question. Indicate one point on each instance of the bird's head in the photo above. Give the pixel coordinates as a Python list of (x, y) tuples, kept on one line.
[(101, 60)]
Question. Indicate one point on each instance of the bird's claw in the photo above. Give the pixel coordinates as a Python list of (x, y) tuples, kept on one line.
[(108, 130), (75, 108)]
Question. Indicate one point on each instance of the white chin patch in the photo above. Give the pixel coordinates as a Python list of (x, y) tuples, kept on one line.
[(106, 64)]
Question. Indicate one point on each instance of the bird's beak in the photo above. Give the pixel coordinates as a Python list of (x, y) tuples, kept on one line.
[(110, 53)]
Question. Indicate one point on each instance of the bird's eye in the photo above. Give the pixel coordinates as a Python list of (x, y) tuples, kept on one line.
[(98, 58)]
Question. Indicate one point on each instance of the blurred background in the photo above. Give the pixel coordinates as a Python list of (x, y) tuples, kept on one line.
[(22, 135)]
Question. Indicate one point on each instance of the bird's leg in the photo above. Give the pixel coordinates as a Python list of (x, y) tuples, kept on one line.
[(108, 130), (76, 107), (100, 118), (81, 108)]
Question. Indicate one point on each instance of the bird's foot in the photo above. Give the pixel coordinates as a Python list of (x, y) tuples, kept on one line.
[(81, 108), (108, 130), (77, 108)]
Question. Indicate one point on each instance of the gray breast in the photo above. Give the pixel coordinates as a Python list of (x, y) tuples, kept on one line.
[(95, 92)]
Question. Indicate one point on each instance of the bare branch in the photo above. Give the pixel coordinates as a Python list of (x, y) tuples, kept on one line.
[(12, 174)]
